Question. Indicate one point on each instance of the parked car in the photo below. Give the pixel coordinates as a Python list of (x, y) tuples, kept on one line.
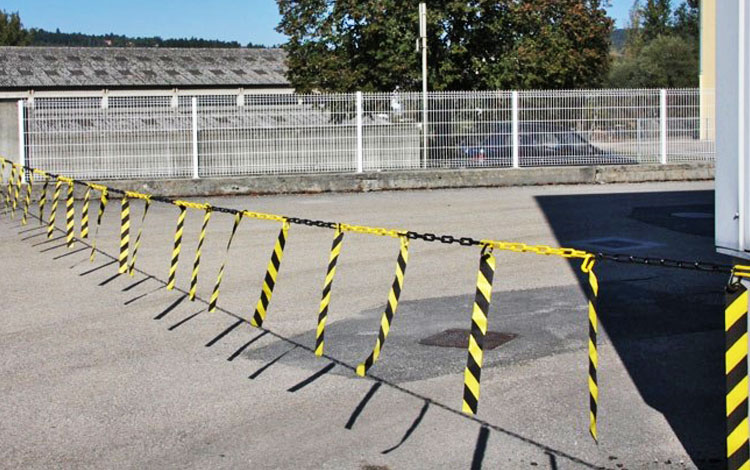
[(540, 144)]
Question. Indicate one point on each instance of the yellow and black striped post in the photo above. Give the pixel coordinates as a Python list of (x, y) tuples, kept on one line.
[(27, 200), (53, 211), (11, 183), (735, 325), (390, 308), (479, 322), (85, 214), (103, 200), (197, 262), (177, 248), (70, 216), (338, 239), (17, 189), (137, 244), (592, 293), (2, 176), (215, 294), (272, 274), (43, 199), (124, 234)]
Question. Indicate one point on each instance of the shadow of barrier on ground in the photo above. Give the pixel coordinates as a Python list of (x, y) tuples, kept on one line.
[(669, 333)]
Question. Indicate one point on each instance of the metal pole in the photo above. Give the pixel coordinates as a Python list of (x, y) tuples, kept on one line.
[(22, 137), (423, 38), (663, 126), (360, 144), (195, 138), (515, 128)]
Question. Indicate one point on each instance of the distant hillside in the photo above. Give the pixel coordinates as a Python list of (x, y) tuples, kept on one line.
[(618, 38), (41, 37)]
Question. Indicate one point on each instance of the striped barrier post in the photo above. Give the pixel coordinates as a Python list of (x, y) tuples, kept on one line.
[(124, 234), (592, 292), (177, 248), (103, 200), (27, 200), (272, 274), (735, 327), (479, 322), (43, 199), (137, 244), (215, 294), (9, 197), (85, 213), (197, 261), (390, 308), (70, 216), (325, 301), (53, 213)]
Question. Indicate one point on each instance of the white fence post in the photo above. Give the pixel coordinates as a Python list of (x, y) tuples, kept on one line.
[(360, 138), (195, 138), (663, 126), (515, 130), (22, 138)]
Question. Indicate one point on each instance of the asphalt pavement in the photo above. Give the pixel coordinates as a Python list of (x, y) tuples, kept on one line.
[(107, 371)]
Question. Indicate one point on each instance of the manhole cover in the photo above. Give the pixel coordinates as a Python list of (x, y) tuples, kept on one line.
[(456, 338)]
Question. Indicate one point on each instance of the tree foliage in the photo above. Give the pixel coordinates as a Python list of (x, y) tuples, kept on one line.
[(370, 45), (662, 47), (12, 32)]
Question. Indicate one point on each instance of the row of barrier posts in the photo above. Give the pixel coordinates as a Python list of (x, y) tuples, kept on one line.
[(736, 314)]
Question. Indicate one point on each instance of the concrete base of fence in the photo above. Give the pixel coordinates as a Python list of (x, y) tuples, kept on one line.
[(419, 179)]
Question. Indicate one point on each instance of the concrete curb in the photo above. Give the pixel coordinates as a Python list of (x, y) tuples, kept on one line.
[(419, 179)]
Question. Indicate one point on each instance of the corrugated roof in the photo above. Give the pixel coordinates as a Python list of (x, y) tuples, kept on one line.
[(94, 67)]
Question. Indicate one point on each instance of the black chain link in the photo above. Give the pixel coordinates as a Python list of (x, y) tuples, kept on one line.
[(702, 266)]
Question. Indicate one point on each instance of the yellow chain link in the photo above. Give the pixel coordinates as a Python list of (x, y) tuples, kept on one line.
[(192, 205), (262, 216), (382, 232), (134, 195), (544, 250), (741, 271)]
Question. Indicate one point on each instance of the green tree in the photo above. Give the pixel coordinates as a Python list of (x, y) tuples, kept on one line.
[(12, 32), (369, 45), (657, 18)]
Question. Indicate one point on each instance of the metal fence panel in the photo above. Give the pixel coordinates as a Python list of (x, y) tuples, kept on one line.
[(178, 136)]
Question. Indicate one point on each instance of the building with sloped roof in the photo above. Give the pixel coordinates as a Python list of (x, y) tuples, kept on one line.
[(29, 73)]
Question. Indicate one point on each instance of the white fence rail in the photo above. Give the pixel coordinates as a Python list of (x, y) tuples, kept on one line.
[(173, 136)]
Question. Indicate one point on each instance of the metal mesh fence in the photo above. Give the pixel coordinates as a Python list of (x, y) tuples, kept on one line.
[(177, 136)]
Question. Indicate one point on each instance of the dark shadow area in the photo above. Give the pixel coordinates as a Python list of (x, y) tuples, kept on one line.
[(183, 321), (224, 333), (242, 348), (98, 268), (51, 240), (146, 294), (52, 248), (29, 237), (257, 373), (136, 284), (412, 428), (480, 448), (362, 404), (173, 306), (71, 253), (312, 378), (38, 227), (666, 325), (108, 280)]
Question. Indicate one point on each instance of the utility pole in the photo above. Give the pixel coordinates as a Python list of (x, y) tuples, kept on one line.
[(423, 41)]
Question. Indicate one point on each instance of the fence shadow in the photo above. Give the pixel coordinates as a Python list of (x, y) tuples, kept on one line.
[(665, 325)]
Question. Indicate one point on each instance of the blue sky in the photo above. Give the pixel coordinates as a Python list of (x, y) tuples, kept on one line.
[(231, 20)]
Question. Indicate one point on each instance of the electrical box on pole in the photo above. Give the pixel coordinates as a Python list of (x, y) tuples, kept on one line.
[(732, 128)]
